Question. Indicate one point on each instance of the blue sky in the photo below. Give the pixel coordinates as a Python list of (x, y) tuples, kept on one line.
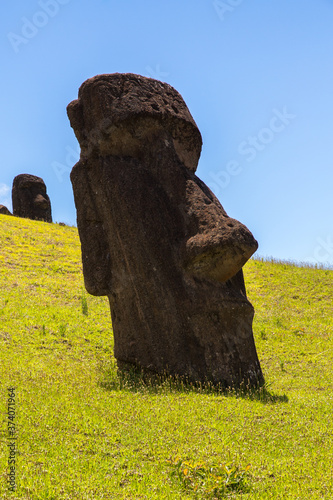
[(257, 77)]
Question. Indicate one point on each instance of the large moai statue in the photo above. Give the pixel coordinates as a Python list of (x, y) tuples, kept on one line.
[(30, 199), (155, 239)]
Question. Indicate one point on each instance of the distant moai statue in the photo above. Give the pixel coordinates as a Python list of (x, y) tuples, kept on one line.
[(30, 199), (4, 210), (155, 239)]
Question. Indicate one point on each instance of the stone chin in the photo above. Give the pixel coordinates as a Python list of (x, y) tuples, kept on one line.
[(219, 257)]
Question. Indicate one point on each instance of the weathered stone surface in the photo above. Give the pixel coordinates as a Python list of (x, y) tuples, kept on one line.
[(4, 210), (155, 239), (30, 199)]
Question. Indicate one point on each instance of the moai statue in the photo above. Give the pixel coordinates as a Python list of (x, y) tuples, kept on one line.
[(155, 239), (30, 199), (4, 210)]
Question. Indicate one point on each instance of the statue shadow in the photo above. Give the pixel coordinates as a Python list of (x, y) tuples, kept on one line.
[(138, 381)]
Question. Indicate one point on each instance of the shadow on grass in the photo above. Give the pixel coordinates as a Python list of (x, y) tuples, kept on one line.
[(135, 380)]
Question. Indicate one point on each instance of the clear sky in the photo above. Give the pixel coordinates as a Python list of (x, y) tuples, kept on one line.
[(256, 75)]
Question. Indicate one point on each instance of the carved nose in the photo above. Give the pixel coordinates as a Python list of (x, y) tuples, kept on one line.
[(40, 202)]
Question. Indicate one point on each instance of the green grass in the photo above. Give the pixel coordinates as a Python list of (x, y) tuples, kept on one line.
[(84, 433)]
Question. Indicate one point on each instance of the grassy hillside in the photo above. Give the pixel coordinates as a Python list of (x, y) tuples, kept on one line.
[(84, 434)]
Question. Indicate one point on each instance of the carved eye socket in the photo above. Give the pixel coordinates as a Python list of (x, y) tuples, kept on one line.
[(30, 185)]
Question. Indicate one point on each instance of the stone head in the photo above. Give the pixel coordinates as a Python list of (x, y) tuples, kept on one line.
[(30, 199), (4, 210), (154, 238)]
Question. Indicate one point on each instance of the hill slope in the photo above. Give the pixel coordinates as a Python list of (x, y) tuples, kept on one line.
[(83, 434)]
